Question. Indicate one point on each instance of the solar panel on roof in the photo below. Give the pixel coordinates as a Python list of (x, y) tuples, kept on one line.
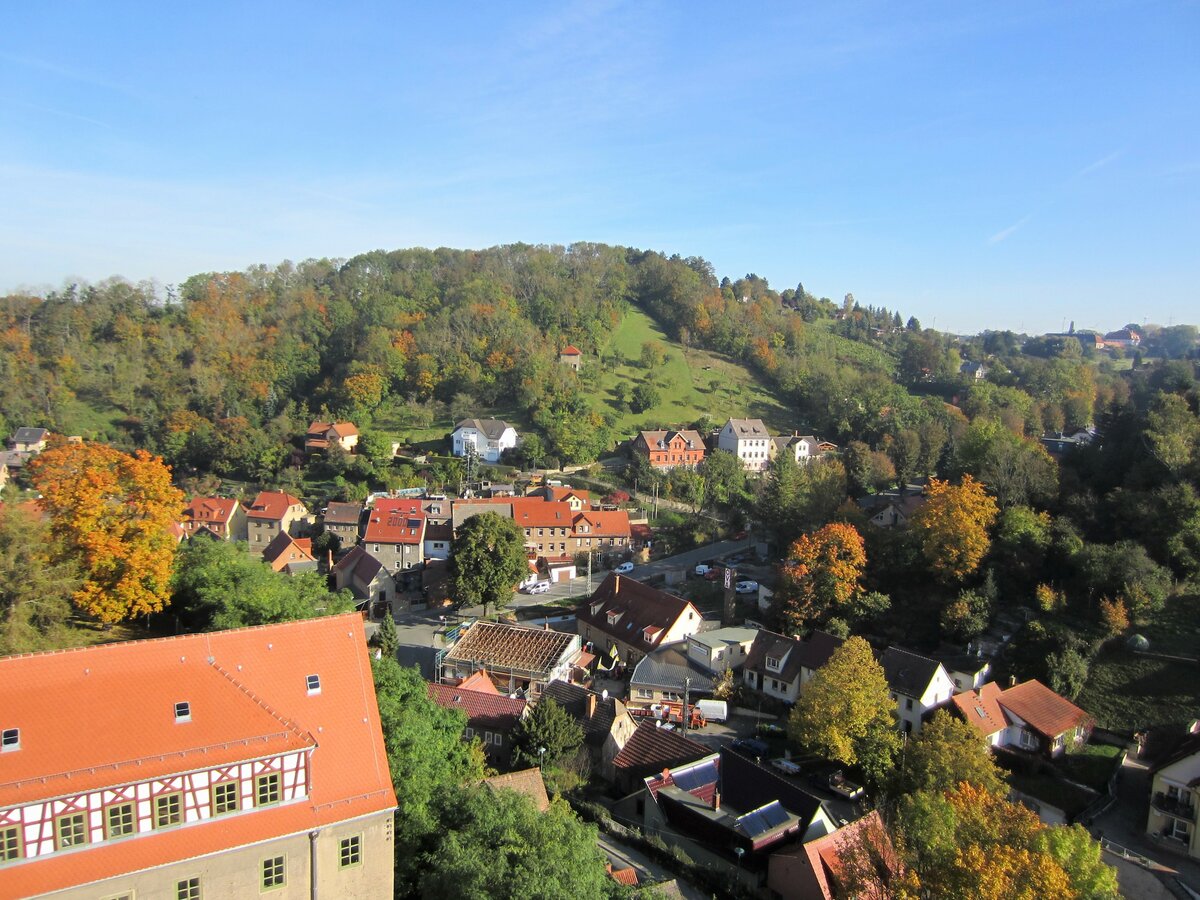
[(764, 819), (696, 777)]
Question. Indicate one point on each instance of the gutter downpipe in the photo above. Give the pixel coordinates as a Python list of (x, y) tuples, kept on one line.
[(312, 862)]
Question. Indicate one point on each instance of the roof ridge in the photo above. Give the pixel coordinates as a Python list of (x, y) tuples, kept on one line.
[(302, 733), (175, 637)]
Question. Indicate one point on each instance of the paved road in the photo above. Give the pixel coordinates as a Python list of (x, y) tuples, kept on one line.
[(1125, 824)]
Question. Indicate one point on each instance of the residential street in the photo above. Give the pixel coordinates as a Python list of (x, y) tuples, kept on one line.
[(622, 856)]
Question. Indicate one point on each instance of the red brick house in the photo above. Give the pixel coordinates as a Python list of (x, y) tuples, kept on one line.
[(668, 449)]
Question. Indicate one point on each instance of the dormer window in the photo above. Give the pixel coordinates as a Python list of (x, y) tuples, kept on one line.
[(613, 617), (183, 711), (773, 663), (11, 740), (313, 683), (596, 607)]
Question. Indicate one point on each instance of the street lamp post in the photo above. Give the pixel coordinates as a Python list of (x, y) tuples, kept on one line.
[(739, 851)]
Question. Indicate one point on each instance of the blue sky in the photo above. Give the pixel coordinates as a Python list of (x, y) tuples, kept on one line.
[(999, 165)]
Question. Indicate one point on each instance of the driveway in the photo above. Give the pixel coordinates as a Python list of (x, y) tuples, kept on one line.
[(1125, 825)]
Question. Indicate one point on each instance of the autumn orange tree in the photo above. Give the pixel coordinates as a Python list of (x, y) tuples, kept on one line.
[(113, 513), (952, 527), (821, 574)]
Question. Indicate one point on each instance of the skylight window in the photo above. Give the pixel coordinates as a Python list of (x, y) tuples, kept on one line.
[(314, 684), (183, 711), (11, 739)]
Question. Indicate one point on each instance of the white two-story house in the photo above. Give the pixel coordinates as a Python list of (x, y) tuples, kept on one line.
[(749, 441), (918, 684), (488, 437)]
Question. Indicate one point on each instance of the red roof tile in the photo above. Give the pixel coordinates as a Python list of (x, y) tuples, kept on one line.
[(528, 782), (395, 522), (981, 709), (657, 748), (210, 509), (571, 350), (272, 505), (483, 710), (1042, 709), (104, 716)]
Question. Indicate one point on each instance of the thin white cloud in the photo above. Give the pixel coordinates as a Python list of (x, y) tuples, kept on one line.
[(1100, 163), (1012, 229)]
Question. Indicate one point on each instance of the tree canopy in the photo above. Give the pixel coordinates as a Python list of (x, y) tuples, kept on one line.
[(952, 527), (547, 736), (846, 713), (488, 560), (820, 575), (113, 513)]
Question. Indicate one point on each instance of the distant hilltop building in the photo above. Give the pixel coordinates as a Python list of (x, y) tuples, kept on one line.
[(571, 356), (1125, 337)]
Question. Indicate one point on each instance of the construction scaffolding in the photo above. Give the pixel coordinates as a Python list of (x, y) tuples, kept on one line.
[(512, 650)]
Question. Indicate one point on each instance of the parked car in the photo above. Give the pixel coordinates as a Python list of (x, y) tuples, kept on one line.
[(703, 569), (747, 587), (624, 568), (538, 587), (750, 747)]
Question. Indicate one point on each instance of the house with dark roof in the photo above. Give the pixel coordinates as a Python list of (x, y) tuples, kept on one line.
[(780, 666), (1028, 716), (222, 517), (290, 555), (634, 619), (892, 509), (491, 717), (344, 520), (664, 450), (749, 441), (367, 579), (1175, 796), (720, 649), (803, 448), (662, 679), (606, 723), (976, 371), (520, 659), (272, 512), (224, 764), (725, 803), (918, 685), (29, 440), (486, 438), (651, 749)]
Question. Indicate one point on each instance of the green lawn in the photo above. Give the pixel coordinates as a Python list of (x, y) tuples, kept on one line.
[(1092, 764), (1128, 692), (693, 383), (1070, 799)]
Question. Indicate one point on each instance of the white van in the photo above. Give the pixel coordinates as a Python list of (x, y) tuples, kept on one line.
[(538, 587), (714, 710)]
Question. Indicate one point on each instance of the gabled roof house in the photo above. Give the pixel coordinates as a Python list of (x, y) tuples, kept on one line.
[(1028, 716), (780, 666), (918, 684), (634, 618)]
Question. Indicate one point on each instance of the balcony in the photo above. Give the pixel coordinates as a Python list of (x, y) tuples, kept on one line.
[(1180, 808)]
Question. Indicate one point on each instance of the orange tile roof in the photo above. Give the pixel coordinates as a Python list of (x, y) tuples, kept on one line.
[(272, 505), (479, 681), (1041, 708), (104, 716), (395, 522), (980, 708), (527, 781), (627, 876), (285, 549), (484, 709), (571, 350), (606, 522), (534, 512), (210, 509)]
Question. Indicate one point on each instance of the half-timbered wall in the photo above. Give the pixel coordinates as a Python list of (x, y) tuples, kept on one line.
[(37, 820)]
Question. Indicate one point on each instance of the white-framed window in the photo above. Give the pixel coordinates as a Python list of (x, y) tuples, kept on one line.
[(645, 694), (773, 663), (10, 740)]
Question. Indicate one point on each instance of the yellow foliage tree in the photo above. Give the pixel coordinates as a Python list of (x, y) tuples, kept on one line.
[(114, 514), (952, 527), (822, 573)]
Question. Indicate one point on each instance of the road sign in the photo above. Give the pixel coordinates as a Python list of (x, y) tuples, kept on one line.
[(730, 574)]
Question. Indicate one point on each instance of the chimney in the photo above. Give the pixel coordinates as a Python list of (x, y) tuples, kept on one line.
[(616, 584), (1012, 681), (591, 704), (716, 800)]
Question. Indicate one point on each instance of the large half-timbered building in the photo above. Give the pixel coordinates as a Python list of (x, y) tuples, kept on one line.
[(214, 765)]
